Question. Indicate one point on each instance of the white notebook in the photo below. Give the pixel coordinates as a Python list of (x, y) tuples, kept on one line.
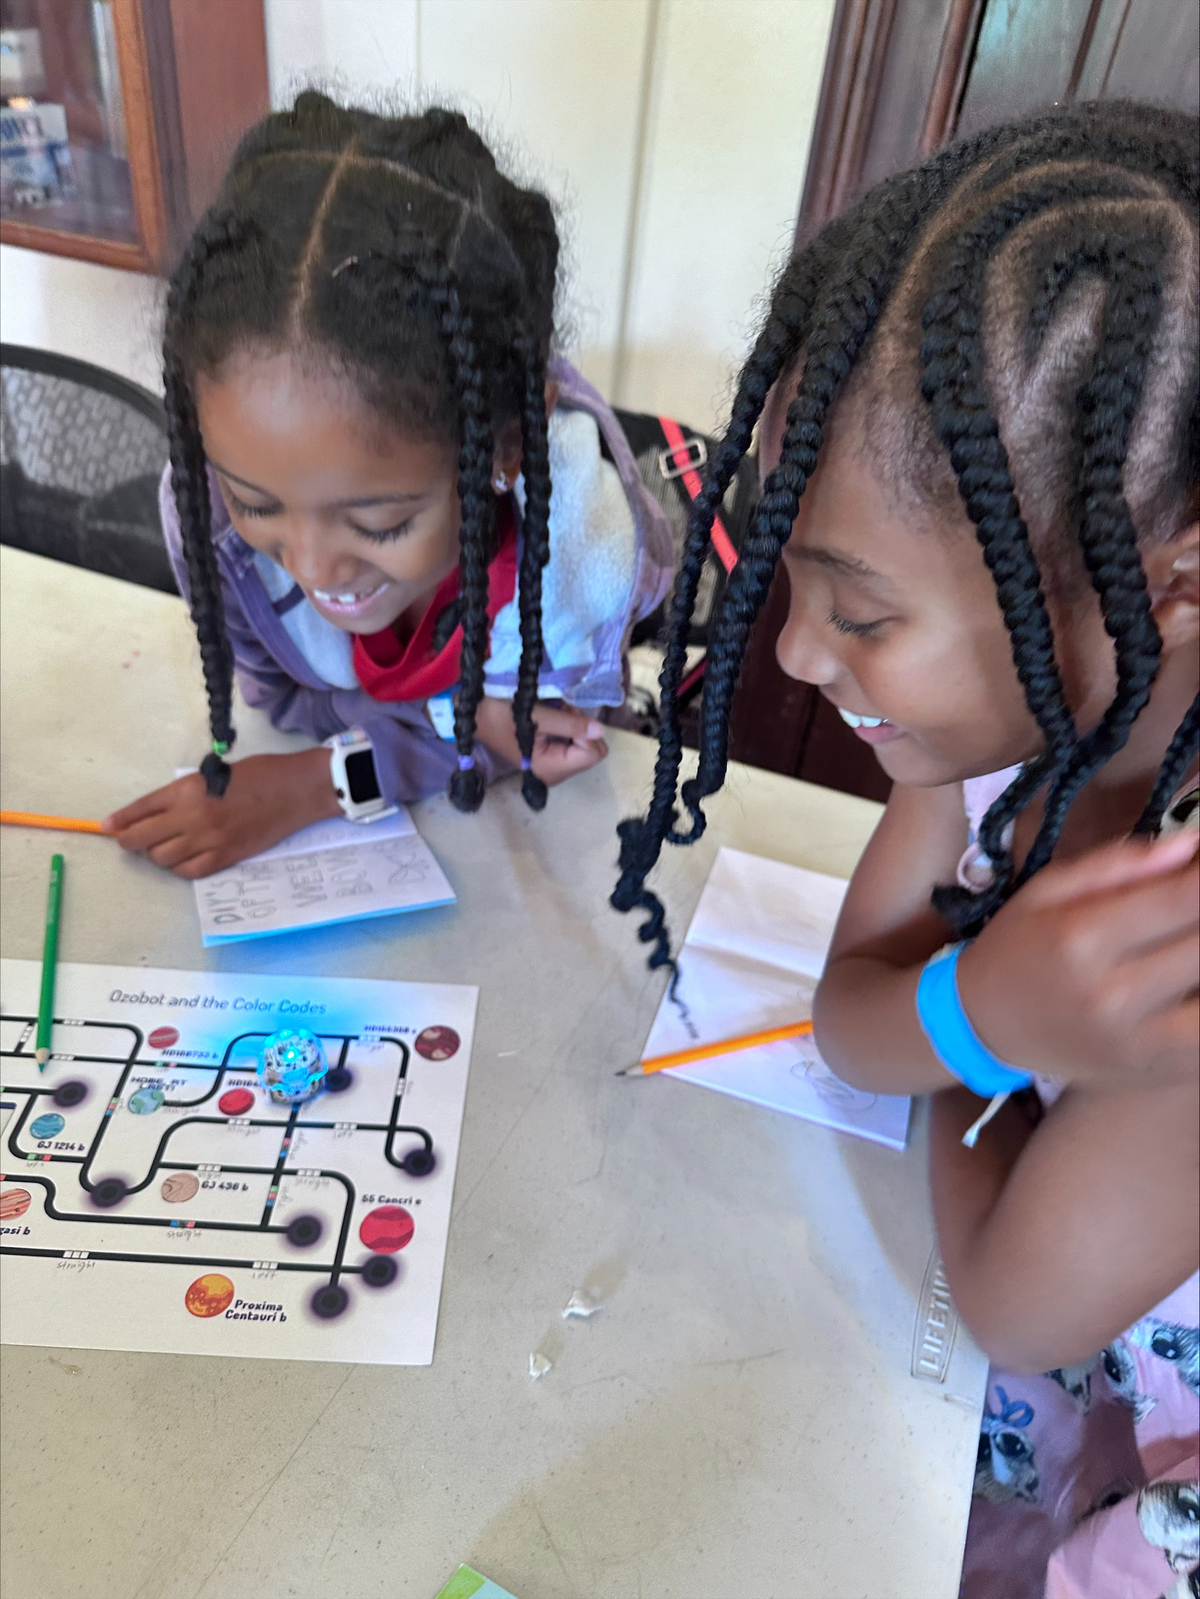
[(333, 871), (751, 960)]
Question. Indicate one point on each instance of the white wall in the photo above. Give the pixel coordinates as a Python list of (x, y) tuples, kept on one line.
[(676, 201)]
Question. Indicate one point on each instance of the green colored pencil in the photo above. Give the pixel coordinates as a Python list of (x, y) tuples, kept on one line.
[(49, 960)]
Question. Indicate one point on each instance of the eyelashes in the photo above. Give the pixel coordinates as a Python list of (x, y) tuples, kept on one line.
[(243, 509), (383, 535), (843, 624)]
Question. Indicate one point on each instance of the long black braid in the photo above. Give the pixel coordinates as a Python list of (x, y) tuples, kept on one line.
[(924, 242), (396, 249), (535, 553), (189, 480)]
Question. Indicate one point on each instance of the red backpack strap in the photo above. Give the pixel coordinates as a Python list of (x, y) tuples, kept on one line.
[(679, 459)]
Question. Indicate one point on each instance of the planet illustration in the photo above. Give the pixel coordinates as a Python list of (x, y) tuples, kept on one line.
[(14, 1202), (163, 1037), (68, 1094), (209, 1295), (145, 1101), (47, 1126), (236, 1102), (437, 1043), (386, 1229), (179, 1187)]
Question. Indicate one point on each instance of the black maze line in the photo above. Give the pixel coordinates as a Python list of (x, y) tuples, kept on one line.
[(183, 1260), (166, 1223), (415, 1163), (417, 1166)]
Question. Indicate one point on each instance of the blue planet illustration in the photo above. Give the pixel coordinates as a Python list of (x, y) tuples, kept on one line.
[(145, 1101), (48, 1126)]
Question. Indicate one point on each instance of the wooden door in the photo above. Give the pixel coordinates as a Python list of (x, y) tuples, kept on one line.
[(901, 78)]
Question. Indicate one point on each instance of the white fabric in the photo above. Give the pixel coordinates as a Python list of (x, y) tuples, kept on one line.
[(329, 650), (593, 551)]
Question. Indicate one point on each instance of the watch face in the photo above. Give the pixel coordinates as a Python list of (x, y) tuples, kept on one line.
[(360, 776)]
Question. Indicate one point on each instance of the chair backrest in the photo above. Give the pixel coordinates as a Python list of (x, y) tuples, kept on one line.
[(81, 454)]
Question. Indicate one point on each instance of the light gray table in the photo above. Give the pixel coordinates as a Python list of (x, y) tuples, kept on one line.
[(740, 1419)]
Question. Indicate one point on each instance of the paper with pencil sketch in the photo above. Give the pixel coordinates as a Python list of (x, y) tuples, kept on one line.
[(333, 871), (751, 960)]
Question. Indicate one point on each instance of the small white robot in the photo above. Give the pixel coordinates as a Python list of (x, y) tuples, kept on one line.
[(292, 1065)]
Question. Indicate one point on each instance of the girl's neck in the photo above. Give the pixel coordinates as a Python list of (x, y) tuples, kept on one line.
[(1111, 803)]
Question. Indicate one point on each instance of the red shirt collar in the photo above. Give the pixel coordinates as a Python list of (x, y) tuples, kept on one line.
[(389, 670)]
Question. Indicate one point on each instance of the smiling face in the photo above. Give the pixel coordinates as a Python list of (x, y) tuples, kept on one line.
[(364, 517), (894, 618)]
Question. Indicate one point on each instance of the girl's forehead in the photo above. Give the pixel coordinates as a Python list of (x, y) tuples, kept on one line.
[(280, 421)]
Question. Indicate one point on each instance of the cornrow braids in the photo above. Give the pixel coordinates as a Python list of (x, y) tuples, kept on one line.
[(907, 277), (394, 248), (535, 553)]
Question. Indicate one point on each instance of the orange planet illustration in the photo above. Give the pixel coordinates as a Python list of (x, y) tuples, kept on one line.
[(179, 1187), (14, 1202), (209, 1295)]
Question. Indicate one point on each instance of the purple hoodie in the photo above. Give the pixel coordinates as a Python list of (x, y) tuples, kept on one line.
[(276, 675)]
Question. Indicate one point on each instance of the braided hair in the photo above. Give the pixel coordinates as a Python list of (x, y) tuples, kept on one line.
[(958, 279), (395, 249)]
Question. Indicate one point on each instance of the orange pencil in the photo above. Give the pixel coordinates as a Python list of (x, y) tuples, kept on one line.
[(62, 824), (684, 1057)]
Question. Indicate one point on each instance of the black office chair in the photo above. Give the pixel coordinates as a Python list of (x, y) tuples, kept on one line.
[(81, 454)]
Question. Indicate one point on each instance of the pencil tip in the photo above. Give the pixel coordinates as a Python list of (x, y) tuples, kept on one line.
[(43, 1055), (629, 1071)]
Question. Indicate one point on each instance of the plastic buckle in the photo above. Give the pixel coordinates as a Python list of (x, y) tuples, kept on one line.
[(694, 453)]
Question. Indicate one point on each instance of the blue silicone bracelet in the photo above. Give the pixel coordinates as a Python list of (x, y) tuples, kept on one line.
[(955, 1042)]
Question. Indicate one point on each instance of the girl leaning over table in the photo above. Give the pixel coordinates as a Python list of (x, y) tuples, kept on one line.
[(366, 422), (977, 394)]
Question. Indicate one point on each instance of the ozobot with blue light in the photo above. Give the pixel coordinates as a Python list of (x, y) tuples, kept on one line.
[(292, 1065)]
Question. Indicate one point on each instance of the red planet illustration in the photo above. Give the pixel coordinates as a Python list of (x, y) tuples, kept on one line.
[(386, 1229), (437, 1043), (209, 1295), (236, 1102), (163, 1037), (15, 1202)]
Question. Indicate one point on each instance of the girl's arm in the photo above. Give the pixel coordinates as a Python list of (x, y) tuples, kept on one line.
[(1101, 1197), (865, 1008), (1086, 974)]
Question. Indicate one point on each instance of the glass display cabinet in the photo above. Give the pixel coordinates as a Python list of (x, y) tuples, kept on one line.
[(118, 119)]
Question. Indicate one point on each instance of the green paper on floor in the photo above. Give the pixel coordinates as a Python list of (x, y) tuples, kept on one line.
[(468, 1584)]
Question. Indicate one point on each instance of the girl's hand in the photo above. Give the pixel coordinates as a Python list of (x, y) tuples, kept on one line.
[(269, 797), (1090, 972), (567, 741)]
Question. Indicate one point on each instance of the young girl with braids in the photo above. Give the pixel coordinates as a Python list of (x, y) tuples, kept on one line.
[(359, 507), (978, 398)]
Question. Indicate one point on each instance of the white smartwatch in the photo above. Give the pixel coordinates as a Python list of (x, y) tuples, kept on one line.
[(355, 781)]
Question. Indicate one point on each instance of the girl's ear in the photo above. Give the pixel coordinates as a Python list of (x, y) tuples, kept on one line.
[(506, 461), (1173, 575), (551, 395)]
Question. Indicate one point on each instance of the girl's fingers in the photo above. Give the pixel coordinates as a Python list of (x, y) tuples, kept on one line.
[(162, 799), (146, 836), (202, 865), (1154, 912), (173, 851), (1113, 866), (566, 722), (1162, 979)]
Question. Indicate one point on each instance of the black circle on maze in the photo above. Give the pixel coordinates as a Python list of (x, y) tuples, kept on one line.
[(303, 1232)]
